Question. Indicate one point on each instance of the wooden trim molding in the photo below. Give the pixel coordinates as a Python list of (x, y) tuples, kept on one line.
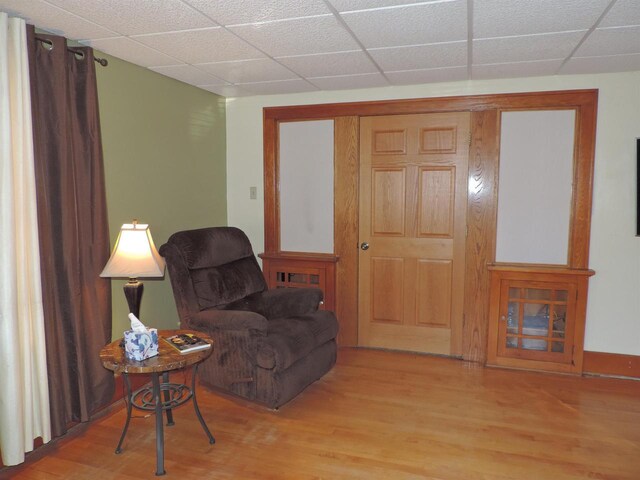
[(527, 269), (300, 256), (528, 100), (271, 168), (599, 363), (481, 228), (347, 133), (585, 143)]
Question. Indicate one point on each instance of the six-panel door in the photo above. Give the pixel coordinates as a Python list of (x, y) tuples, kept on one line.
[(413, 197)]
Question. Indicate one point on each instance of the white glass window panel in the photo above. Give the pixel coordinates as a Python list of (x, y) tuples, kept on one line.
[(535, 186), (306, 186)]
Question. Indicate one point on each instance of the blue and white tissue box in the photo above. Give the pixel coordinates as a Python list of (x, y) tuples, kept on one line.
[(141, 345)]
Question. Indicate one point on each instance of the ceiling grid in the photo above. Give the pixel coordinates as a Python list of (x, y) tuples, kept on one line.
[(254, 47)]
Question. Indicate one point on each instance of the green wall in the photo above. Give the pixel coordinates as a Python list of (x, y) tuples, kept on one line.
[(165, 165)]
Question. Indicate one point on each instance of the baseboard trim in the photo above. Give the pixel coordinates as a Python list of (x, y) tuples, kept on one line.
[(613, 364)]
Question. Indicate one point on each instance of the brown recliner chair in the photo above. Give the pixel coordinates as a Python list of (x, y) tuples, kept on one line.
[(269, 345)]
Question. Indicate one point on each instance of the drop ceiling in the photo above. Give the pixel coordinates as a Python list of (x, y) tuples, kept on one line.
[(256, 47)]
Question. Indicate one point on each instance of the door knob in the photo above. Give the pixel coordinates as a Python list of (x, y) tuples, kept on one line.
[(364, 246)]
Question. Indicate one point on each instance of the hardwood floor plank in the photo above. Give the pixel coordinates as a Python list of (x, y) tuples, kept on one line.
[(381, 415)]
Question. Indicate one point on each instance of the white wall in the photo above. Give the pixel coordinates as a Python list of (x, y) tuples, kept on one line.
[(306, 186), (536, 177), (613, 312)]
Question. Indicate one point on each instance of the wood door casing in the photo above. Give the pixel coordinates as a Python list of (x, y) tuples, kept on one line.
[(413, 200), (482, 190)]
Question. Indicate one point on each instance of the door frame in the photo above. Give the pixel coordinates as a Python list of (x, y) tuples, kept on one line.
[(481, 194)]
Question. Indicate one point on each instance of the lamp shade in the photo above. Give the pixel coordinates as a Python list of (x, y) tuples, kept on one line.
[(135, 255)]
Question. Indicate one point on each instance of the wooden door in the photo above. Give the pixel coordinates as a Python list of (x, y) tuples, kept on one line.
[(413, 198)]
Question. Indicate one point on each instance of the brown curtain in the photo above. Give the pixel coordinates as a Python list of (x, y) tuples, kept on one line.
[(73, 228)]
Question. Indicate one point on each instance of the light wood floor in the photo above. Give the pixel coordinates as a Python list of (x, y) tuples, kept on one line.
[(382, 415)]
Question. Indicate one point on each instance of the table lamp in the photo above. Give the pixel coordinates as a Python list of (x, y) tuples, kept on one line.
[(134, 256)]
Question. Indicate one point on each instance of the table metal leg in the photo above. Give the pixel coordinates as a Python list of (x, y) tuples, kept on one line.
[(157, 398), (195, 404), (128, 401), (167, 397)]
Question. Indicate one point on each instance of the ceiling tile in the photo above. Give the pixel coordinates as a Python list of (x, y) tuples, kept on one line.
[(233, 12), (516, 69), (351, 5), (348, 82), (611, 41), (284, 86), (54, 20), (617, 63), (225, 90), (410, 25), (412, 41), (411, 77), (421, 56), (140, 16), (201, 46), (188, 74), (131, 51), (298, 37), (623, 12), (499, 18), (526, 48), (246, 71), (330, 64)]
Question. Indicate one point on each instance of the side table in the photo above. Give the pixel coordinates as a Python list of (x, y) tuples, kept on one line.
[(161, 395)]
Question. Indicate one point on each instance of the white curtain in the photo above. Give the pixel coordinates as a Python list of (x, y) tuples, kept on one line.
[(24, 394)]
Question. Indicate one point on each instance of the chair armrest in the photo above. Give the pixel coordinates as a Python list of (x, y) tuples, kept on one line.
[(286, 302), (213, 320)]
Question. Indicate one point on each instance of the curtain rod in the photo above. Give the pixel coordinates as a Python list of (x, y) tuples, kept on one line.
[(102, 61)]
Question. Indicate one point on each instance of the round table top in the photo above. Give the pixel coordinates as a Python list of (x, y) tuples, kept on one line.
[(168, 358)]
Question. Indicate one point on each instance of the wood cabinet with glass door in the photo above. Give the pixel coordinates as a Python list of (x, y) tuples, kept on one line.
[(537, 317)]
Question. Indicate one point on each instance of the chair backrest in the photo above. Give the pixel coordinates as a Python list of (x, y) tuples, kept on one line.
[(211, 267)]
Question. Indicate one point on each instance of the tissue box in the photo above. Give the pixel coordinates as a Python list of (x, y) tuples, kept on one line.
[(139, 346)]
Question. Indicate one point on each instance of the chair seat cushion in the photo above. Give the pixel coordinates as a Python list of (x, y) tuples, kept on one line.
[(290, 339)]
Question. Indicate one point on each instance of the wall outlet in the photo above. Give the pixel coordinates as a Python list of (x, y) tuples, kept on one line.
[(253, 193)]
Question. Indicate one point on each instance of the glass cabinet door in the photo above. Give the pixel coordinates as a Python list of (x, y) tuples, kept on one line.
[(537, 317), (533, 320)]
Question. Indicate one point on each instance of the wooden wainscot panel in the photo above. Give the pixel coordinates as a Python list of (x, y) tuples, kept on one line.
[(302, 270)]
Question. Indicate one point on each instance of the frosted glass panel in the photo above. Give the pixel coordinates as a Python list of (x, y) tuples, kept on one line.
[(306, 186), (535, 186)]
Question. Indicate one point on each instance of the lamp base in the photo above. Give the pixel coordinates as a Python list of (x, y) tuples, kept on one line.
[(133, 291)]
